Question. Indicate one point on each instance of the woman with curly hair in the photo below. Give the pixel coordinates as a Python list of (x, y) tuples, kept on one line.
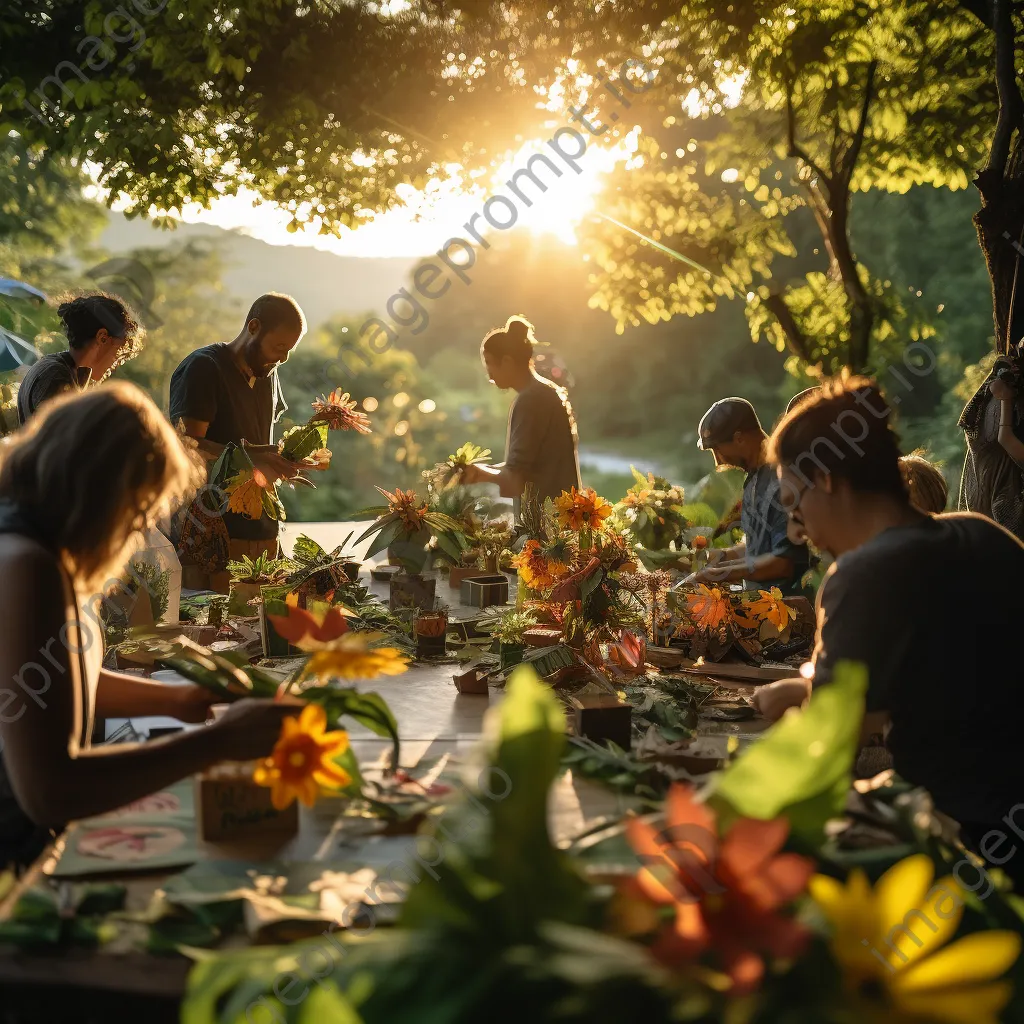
[(102, 334)]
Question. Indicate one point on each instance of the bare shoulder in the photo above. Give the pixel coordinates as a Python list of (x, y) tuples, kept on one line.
[(23, 561)]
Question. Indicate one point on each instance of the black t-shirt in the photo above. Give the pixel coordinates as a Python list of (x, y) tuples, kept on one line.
[(933, 611), (48, 377), (209, 386)]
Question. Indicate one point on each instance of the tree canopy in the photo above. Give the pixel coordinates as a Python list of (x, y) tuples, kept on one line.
[(333, 107)]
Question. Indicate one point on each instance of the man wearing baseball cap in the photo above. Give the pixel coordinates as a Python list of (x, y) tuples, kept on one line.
[(767, 557)]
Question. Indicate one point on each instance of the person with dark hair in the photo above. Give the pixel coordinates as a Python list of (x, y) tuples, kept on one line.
[(541, 446), (941, 656), (230, 393), (767, 557), (75, 485), (102, 334)]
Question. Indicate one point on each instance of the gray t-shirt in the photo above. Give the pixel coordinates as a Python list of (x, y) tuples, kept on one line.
[(932, 611), (541, 441), (48, 377), (764, 523)]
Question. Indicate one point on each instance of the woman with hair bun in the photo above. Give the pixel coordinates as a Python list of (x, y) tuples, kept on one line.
[(541, 443), (102, 334)]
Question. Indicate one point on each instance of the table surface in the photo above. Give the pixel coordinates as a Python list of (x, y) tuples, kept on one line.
[(433, 720)]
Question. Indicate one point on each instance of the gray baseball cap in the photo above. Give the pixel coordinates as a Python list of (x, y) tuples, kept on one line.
[(719, 424)]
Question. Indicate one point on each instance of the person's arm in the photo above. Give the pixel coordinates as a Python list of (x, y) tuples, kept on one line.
[(531, 417), (265, 457), (511, 481), (762, 567), (1008, 440), (41, 715), (123, 696)]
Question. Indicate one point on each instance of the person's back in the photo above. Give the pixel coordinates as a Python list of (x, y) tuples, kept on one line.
[(931, 610), (542, 439)]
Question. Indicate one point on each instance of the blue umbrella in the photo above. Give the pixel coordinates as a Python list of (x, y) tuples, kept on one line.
[(15, 351)]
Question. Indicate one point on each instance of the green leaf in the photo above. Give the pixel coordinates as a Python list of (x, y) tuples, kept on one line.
[(700, 514), (300, 442), (802, 766)]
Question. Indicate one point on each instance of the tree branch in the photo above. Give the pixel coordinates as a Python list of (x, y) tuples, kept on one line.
[(776, 305), (793, 150), (850, 157)]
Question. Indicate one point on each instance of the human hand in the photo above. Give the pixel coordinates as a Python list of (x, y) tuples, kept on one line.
[(773, 700), (473, 475), (191, 703), (249, 728), (1000, 390)]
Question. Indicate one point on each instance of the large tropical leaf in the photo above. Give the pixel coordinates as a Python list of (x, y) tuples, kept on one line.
[(801, 767), (300, 442)]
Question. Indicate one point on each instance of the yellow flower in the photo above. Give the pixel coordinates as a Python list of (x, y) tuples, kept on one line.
[(580, 509), (350, 657), (887, 942), (769, 607), (302, 758)]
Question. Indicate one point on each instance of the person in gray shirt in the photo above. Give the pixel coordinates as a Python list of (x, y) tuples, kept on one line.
[(768, 556), (102, 334), (541, 445)]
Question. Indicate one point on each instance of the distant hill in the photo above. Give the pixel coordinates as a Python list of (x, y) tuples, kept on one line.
[(324, 284)]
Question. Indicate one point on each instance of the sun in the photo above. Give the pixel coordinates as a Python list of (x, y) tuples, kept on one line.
[(568, 199)]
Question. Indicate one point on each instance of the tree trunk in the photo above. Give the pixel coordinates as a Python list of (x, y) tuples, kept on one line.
[(862, 315), (1000, 223)]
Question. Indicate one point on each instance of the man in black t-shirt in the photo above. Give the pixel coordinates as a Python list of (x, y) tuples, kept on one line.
[(229, 393), (927, 603)]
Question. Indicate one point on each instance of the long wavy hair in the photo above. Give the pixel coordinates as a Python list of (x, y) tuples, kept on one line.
[(92, 469)]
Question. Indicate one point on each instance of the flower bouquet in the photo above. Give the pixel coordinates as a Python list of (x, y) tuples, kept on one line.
[(449, 473), (249, 492)]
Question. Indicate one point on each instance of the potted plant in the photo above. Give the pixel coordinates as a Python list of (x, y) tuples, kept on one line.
[(508, 629), (430, 629), (404, 525), (248, 575)]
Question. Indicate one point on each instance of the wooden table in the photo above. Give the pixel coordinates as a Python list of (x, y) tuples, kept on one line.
[(433, 720)]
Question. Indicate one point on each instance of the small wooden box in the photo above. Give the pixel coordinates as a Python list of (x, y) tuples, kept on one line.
[(482, 591), (460, 573), (472, 681), (603, 717), (542, 636), (229, 805)]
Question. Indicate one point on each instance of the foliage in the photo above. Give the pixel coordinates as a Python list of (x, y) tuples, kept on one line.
[(808, 757), (508, 626), (261, 569), (154, 580), (449, 472)]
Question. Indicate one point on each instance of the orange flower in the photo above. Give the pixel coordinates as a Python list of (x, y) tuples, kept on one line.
[(709, 607), (302, 758), (578, 510), (727, 892), (406, 505), (535, 569), (769, 607), (700, 542), (309, 631), (337, 410)]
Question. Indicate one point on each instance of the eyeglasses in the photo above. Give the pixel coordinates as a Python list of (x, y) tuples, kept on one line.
[(792, 510)]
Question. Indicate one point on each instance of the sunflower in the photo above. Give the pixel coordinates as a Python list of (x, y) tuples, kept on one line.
[(301, 761), (350, 657), (337, 410), (709, 607), (769, 607), (579, 510), (533, 567), (890, 978)]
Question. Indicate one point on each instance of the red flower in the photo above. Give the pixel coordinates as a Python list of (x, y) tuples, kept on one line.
[(726, 893), (303, 627)]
